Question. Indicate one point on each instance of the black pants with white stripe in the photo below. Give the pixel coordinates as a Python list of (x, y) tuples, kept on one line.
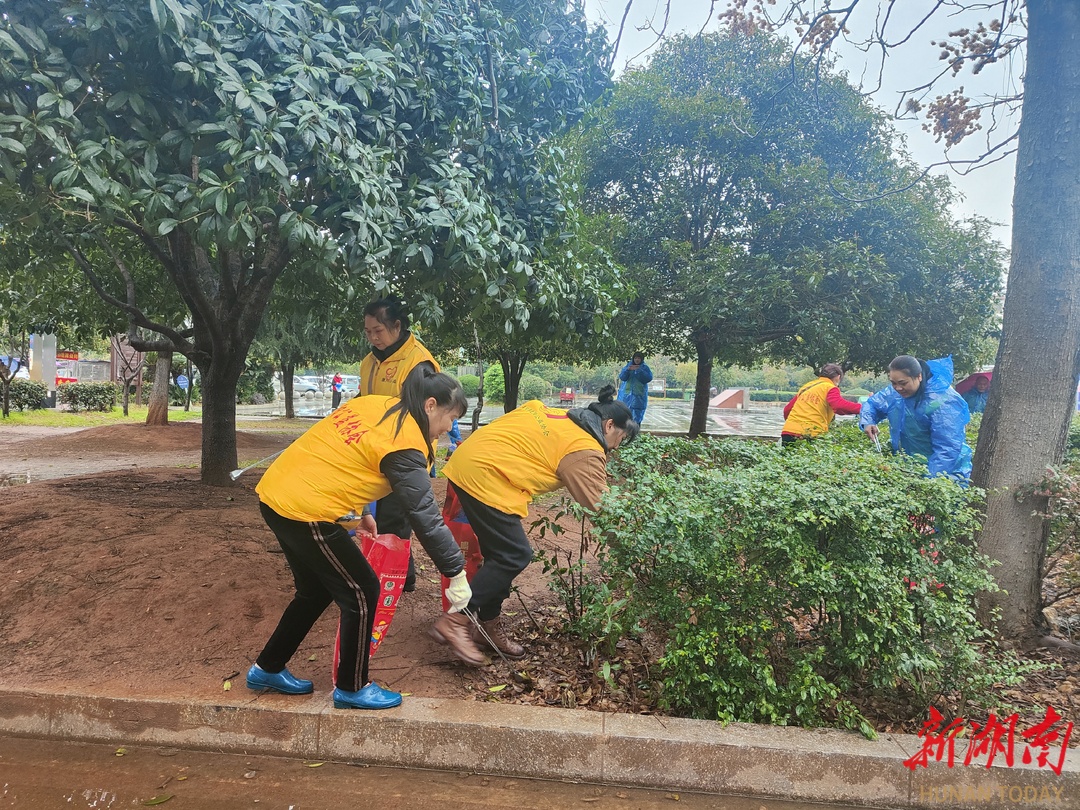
[(327, 567)]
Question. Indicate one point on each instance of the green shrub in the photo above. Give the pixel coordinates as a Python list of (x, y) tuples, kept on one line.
[(470, 383), (786, 586), (533, 387), (88, 396), (258, 378), (1072, 445), (855, 393), (26, 395), (494, 384)]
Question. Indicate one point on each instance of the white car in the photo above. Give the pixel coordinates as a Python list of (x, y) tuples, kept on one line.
[(304, 385)]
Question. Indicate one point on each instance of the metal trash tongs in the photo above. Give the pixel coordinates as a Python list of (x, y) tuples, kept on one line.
[(479, 627)]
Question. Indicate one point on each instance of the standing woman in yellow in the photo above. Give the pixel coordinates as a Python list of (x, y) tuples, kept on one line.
[(500, 468), (395, 352), (811, 411), (319, 488)]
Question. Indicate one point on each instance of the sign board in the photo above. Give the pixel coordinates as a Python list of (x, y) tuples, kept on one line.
[(67, 355), (182, 381)]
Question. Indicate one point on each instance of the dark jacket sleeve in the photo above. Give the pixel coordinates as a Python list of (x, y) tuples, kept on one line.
[(407, 472)]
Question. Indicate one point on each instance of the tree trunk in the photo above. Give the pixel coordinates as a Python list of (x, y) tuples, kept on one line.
[(288, 370), (157, 413), (219, 419), (513, 366), (1031, 400), (700, 414)]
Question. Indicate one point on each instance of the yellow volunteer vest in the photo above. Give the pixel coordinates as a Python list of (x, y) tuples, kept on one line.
[(516, 457), (811, 414), (332, 470), (386, 377)]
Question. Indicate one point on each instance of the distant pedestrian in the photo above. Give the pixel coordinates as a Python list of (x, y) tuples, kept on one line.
[(337, 391), (811, 411), (977, 395), (634, 390)]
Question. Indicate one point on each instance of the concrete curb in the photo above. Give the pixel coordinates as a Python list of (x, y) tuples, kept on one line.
[(620, 749)]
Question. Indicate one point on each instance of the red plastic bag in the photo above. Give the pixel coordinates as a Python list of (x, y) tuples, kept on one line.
[(455, 520), (388, 555)]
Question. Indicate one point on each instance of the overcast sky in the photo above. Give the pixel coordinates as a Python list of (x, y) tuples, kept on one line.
[(987, 191)]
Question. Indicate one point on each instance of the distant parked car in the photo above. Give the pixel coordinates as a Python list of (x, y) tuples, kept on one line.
[(304, 385), (350, 384)]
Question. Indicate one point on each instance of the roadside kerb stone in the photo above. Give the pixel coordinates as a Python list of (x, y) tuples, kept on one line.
[(511, 740)]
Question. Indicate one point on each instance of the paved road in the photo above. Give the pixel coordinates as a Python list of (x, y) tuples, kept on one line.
[(662, 415), (46, 775)]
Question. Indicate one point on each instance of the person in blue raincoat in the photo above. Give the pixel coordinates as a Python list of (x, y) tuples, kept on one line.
[(634, 390), (978, 394), (926, 415)]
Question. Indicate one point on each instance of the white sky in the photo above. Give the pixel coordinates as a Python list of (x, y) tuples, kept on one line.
[(987, 191)]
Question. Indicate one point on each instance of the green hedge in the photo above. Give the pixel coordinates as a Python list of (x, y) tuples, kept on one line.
[(26, 395), (792, 586), (533, 386), (88, 396), (771, 396)]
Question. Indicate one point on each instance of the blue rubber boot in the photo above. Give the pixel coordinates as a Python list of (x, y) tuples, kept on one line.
[(371, 696), (284, 681)]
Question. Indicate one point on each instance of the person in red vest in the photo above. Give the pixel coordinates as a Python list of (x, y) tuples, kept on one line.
[(336, 385), (811, 411)]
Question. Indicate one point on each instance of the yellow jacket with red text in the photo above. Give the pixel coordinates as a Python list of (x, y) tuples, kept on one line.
[(333, 470), (532, 450)]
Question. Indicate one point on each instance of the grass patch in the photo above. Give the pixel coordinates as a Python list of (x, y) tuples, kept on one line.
[(48, 417), (286, 427)]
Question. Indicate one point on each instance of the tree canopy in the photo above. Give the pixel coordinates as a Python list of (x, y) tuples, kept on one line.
[(734, 195), (236, 139)]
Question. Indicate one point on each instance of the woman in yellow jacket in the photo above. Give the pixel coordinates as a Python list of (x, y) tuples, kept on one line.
[(500, 468), (395, 352), (318, 489), (811, 411)]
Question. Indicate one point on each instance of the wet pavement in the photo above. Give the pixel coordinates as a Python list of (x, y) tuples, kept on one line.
[(44, 775), (666, 416)]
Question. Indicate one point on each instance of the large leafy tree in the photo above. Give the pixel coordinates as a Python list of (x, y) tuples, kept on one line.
[(1025, 427), (539, 290), (732, 199), (236, 139)]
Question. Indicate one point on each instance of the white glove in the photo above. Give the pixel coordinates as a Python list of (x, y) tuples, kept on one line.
[(459, 593)]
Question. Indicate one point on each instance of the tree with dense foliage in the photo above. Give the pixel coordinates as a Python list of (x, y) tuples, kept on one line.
[(234, 139), (731, 183), (1025, 426)]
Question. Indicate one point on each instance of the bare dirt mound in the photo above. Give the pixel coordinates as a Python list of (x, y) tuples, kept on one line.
[(149, 583)]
